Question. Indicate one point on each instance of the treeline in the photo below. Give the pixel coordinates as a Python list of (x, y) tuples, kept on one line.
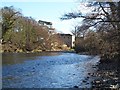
[(100, 30), (22, 34), (101, 42)]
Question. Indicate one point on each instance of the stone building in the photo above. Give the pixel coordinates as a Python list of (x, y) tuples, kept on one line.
[(61, 39), (66, 39)]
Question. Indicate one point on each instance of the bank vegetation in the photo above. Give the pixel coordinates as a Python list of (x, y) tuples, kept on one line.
[(100, 29), (24, 34)]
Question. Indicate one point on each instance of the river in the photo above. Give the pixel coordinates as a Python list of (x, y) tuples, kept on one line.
[(47, 70)]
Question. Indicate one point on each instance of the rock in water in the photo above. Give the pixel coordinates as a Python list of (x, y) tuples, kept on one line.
[(76, 87)]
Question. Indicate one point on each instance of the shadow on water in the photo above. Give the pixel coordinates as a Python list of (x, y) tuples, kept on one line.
[(14, 58)]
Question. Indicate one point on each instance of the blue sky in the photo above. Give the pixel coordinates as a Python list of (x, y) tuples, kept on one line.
[(48, 11)]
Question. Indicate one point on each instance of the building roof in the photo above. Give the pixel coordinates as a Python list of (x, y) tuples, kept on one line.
[(48, 23), (64, 34)]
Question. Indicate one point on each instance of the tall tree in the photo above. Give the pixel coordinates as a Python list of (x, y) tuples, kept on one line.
[(9, 16), (103, 14)]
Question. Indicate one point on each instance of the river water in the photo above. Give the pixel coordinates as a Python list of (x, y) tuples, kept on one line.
[(47, 70)]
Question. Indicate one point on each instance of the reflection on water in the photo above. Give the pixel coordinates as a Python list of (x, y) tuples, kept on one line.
[(14, 58)]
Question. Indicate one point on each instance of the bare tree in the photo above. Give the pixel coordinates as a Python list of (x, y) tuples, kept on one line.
[(105, 18)]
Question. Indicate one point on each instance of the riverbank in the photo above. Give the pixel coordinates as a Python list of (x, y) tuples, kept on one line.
[(7, 50), (4, 50), (69, 51), (14, 49), (107, 75)]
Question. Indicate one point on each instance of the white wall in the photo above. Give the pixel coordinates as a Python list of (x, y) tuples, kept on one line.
[(73, 40)]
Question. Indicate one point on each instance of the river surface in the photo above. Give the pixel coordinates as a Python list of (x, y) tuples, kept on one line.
[(47, 70)]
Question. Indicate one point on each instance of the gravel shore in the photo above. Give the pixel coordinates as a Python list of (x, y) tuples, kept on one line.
[(107, 75)]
